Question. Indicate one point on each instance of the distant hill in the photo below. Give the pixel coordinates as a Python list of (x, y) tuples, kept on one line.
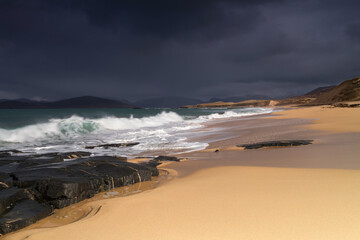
[(78, 102), (346, 91), (174, 102), (89, 102), (247, 103), (239, 98), (166, 102), (18, 104), (318, 91)]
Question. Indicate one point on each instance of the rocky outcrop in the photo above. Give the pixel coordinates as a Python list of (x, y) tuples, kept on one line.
[(167, 158), (283, 143), (347, 104), (31, 186), (115, 145), (23, 214)]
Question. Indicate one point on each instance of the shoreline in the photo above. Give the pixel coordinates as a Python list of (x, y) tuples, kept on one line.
[(89, 207), (229, 169), (160, 132)]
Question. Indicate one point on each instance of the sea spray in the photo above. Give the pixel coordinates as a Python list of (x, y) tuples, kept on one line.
[(76, 126), (165, 131)]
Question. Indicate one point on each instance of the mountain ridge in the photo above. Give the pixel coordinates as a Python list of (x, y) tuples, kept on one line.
[(348, 90), (76, 102)]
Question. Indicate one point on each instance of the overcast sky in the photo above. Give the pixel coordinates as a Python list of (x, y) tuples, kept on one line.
[(133, 49)]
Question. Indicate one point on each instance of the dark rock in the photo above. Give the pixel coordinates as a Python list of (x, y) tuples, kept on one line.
[(121, 158), (108, 158), (5, 181), (4, 162), (284, 143), (7, 153), (64, 155), (23, 214), (12, 163), (217, 150), (152, 164), (40, 161), (51, 154), (4, 154), (3, 186), (51, 183), (69, 182), (71, 155), (8, 166), (11, 151), (167, 158), (106, 146), (15, 158), (9, 197), (346, 105), (3, 176)]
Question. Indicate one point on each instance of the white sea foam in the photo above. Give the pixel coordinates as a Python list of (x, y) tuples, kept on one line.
[(163, 131), (78, 126), (114, 123), (234, 113)]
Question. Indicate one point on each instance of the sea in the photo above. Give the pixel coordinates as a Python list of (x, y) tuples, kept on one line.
[(67, 130)]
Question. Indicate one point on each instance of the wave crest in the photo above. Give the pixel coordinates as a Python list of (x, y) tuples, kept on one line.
[(161, 125), (75, 126)]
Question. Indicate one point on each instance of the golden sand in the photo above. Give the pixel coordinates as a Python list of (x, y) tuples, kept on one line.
[(229, 203), (228, 148), (240, 202), (327, 118)]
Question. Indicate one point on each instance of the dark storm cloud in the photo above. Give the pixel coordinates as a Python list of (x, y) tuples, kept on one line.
[(170, 19), (162, 19), (353, 30), (135, 49)]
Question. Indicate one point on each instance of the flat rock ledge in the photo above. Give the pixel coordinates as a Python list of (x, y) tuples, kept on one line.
[(32, 186), (167, 158), (282, 143), (346, 105), (113, 145)]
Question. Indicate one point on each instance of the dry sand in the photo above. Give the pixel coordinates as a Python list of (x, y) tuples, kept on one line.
[(306, 192), (327, 118)]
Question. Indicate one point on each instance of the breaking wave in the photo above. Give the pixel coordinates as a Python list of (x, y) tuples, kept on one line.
[(75, 126), (165, 131)]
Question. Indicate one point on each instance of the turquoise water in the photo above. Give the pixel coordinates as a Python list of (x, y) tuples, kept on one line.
[(164, 130), (16, 118)]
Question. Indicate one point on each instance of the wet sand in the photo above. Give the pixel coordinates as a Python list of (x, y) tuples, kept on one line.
[(304, 192)]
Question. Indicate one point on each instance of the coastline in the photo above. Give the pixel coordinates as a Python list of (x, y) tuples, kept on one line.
[(304, 192)]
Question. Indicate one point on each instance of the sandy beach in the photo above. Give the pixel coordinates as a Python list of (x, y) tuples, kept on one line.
[(303, 192)]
